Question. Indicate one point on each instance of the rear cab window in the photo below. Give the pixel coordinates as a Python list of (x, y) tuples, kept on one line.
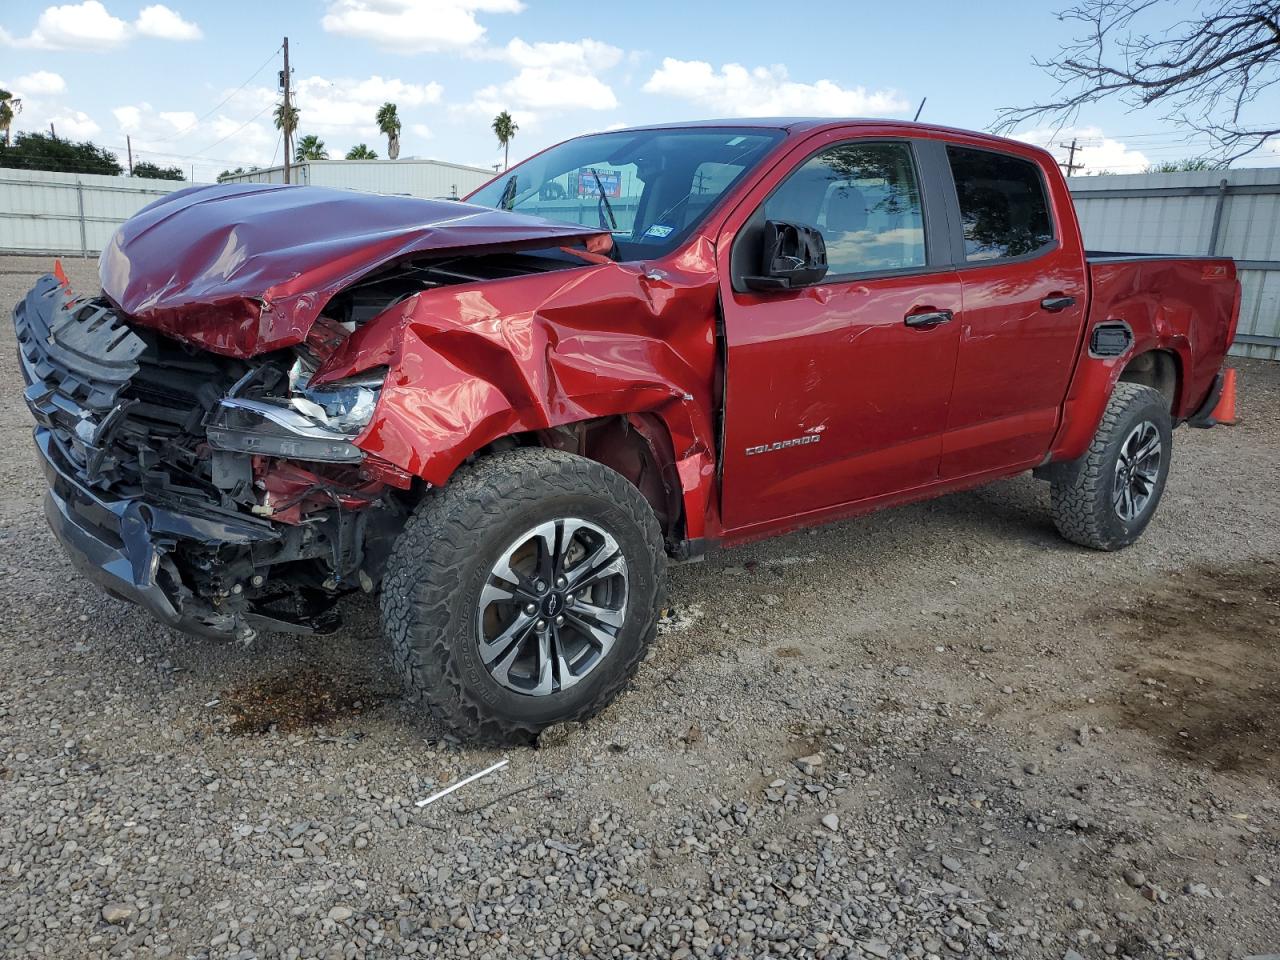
[(1003, 206)]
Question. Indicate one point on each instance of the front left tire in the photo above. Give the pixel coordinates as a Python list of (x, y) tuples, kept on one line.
[(524, 593)]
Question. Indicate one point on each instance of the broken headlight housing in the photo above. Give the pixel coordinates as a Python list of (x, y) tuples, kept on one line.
[(311, 423), (345, 406)]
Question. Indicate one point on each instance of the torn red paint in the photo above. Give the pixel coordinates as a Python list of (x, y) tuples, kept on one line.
[(241, 269)]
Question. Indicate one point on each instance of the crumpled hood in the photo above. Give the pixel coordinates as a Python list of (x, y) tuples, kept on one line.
[(241, 269)]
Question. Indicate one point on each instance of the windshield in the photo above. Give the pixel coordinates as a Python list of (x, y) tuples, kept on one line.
[(648, 188)]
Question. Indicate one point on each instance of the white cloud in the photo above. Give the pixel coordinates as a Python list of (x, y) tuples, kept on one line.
[(346, 106), (1096, 152), (89, 26), (414, 26), (74, 124), (421, 130), (766, 91), (159, 21), (552, 76), (73, 26), (39, 83)]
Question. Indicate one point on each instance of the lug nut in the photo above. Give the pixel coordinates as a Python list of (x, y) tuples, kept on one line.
[(540, 586), (258, 580), (561, 582), (542, 625), (560, 620), (568, 598), (531, 608)]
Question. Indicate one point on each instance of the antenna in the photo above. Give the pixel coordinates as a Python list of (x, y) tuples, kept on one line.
[(919, 108)]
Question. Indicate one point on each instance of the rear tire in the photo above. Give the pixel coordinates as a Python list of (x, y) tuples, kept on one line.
[(1105, 499), (491, 656)]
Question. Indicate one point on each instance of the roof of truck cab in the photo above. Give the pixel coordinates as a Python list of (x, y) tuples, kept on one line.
[(808, 124)]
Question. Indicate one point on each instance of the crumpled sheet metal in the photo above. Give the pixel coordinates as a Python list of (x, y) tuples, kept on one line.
[(241, 269), (469, 364)]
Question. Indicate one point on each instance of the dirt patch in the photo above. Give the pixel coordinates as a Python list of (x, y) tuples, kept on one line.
[(306, 698), (1205, 667)]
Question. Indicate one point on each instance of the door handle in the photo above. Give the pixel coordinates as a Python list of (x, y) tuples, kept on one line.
[(927, 319), (1056, 302)]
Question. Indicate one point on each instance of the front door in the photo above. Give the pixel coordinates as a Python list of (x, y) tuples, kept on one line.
[(838, 392)]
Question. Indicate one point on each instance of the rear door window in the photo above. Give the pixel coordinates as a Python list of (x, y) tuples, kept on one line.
[(1003, 207)]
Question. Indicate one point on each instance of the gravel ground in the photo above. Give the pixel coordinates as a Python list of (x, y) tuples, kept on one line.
[(936, 732)]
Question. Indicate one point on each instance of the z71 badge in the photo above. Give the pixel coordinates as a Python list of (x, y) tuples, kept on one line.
[(784, 444)]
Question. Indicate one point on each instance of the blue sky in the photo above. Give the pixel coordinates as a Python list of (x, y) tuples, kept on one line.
[(193, 82)]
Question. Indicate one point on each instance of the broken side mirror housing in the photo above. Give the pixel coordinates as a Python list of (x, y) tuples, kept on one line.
[(792, 255)]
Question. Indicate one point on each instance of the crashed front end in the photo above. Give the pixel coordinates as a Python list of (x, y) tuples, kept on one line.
[(224, 495)]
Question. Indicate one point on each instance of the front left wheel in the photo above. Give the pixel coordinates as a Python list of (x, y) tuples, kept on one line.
[(524, 593)]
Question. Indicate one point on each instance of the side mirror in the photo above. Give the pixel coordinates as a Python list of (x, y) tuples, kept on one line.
[(792, 255)]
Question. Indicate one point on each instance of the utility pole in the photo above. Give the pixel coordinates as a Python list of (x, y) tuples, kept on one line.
[(52, 132), (284, 82), (1071, 166), (128, 143)]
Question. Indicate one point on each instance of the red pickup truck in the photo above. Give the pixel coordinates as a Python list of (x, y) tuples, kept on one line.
[(504, 415)]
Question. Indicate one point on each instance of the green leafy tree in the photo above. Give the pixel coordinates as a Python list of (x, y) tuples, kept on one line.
[(226, 175), (10, 107), (361, 152), (40, 151), (504, 128), (153, 171), (388, 121), (310, 147), (286, 121), (1183, 166)]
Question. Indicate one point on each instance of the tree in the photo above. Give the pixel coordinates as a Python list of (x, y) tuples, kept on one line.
[(389, 124), (40, 151), (286, 124), (1204, 71), (361, 152), (144, 168), (10, 107), (226, 175), (310, 147), (1182, 166), (504, 128)]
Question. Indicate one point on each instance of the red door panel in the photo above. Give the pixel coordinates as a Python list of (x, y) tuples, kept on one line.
[(837, 363), (1015, 360)]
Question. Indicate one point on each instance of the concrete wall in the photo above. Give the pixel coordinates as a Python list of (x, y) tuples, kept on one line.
[(1234, 213)]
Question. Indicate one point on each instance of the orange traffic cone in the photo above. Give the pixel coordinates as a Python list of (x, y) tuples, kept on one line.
[(1225, 411), (61, 275)]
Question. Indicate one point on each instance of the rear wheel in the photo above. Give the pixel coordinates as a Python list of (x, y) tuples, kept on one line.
[(1105, 499), (524, 593)]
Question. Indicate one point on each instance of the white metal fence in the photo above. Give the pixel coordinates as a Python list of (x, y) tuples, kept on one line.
[(69, 213), (1233, 213)]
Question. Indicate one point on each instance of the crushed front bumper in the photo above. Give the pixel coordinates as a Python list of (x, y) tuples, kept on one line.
[(123, 546)]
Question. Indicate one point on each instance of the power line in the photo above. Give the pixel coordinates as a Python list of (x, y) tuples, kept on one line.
[(239, 128), (224, 101)]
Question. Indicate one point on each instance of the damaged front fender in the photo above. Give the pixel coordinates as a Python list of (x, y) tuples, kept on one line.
[(472, 363)]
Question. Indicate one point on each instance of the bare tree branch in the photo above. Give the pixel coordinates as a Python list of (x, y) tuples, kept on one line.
[(1204, 70)]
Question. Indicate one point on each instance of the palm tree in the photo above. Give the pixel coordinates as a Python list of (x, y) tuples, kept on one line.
[(310, 147), (504, 128), (361, 152), (389, 124), (10, 106), (286, 124)]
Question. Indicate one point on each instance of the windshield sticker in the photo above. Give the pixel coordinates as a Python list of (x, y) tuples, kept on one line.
[(659, 230)]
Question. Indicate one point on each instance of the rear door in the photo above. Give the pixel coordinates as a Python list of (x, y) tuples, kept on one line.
[(834, 393), (1025, 295)]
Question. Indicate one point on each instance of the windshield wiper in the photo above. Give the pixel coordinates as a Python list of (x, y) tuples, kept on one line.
[(604, 206), (508, 198)]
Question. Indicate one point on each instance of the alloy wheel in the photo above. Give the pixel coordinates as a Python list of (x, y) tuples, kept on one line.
[(552, 606)]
